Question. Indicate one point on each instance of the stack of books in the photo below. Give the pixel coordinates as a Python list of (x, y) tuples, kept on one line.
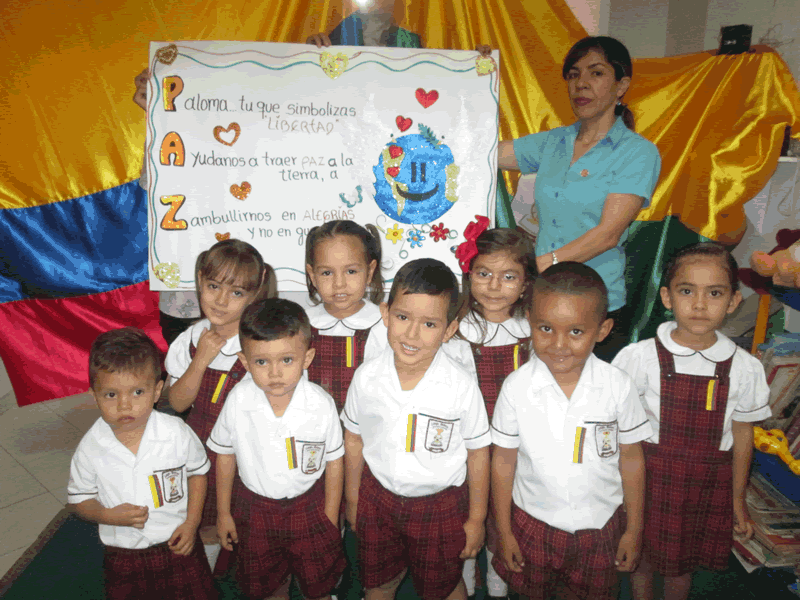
[(776, 521)]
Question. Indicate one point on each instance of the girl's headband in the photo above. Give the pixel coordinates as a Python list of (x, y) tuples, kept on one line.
[(469, 249)]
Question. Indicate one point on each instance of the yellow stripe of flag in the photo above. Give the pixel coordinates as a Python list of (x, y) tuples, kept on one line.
[(577, 452), (218, 389), (411, 433), (710, 394), (349, 352), (291, 453), (154, 491), (516, 356)]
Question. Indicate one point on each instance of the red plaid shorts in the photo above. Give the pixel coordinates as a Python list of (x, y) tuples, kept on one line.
[(425, 535), (582, 561), (156, 572), (289, 537)]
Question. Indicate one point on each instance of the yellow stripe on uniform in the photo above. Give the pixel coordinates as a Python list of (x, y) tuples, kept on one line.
[(516, 356), (154, 491), (349, 352), (291, 453), (710, 394), (218, 390), (411, 433), (577, 452)]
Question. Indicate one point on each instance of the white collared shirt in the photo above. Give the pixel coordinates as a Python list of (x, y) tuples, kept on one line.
[(104, 469), (509, 332), (179, 358), (367, 316), (416, 441), (748, 395), (278, 457), (459, 350), (568, 462)]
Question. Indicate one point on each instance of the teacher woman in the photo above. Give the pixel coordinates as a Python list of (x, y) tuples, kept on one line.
[(593, 176)]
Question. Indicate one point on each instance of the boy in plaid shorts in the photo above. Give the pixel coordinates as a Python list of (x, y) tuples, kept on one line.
[(416, 446), (283, 433), (567, 430), (140, 474)]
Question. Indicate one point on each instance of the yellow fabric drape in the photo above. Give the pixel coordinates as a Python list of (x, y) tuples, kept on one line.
[(70, 128)]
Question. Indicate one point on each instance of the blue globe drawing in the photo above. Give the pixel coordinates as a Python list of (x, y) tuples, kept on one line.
[(411, 180)]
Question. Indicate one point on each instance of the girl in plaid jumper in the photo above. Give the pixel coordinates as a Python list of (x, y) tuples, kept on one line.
[(203, 361), (702, 394), (343, 275), (498, 266)]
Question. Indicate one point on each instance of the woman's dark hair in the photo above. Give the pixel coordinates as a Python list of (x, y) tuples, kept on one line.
[(370, 240), (236, 263), (703, 250), (522, 249), (616, 54)]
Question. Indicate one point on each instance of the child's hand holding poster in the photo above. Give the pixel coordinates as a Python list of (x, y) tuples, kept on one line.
[(262, 142)]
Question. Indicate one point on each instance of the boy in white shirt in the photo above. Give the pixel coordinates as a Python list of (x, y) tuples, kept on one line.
[(567, 430), (283, 433), (417, 419), (140, 474)]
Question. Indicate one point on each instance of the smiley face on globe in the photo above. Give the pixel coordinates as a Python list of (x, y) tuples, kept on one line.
[(416, 178)]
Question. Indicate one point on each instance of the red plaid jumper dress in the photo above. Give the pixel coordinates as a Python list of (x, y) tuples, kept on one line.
[(214, 389), (157, 572), (493, 365), (689, 497), (336, 361)]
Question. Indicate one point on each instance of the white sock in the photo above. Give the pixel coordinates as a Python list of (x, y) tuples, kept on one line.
[(469, 575), (212, 553), (494, 585)]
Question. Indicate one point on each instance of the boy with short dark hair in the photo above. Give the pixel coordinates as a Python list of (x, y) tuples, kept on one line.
[(418, 421), (283, 433), (567, 430), (140, 474)]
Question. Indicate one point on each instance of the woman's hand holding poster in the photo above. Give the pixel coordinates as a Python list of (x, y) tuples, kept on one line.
[(262, 142)]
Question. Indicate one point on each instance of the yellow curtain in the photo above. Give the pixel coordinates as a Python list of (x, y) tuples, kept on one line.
[(70, 128)]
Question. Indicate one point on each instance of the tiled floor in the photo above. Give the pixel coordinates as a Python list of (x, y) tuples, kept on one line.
[(36, 445)]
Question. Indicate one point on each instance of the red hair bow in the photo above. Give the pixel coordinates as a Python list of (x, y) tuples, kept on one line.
[(469, 249)]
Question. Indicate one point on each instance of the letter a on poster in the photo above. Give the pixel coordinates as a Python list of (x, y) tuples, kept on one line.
[(262, 142)]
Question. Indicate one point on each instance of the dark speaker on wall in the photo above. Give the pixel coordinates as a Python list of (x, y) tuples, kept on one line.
[(735, 39)]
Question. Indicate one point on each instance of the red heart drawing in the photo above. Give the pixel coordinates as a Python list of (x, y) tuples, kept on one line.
[(395, 151), (426, 98), (393, 171), (403, 123)]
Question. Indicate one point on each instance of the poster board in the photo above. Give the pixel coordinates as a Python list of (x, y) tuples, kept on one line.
[(261, 142)]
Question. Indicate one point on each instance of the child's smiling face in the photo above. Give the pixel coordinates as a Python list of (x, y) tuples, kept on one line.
[(496, 281), (341, 274), (564, 330), (700, 296), (417, 326)]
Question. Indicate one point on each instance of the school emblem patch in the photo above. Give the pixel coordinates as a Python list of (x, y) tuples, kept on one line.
[(311, 460), (437, 437), (605, 434), (166, 486)]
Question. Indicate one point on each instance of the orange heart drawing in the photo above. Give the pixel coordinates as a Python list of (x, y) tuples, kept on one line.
[(167, 54), (393, 171), (232, 127), (426, 98), (403, 123), (240, 192), (221, 237)]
